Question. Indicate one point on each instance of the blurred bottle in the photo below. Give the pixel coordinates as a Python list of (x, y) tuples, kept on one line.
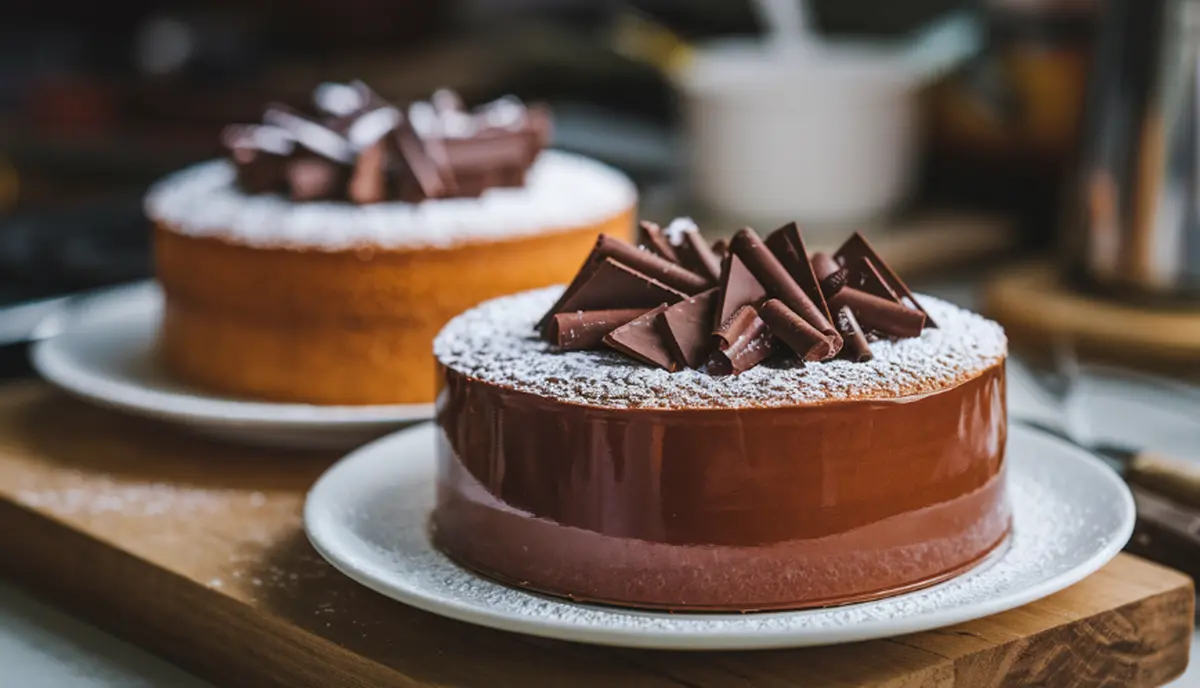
[(1134, 213), (1005, 128)]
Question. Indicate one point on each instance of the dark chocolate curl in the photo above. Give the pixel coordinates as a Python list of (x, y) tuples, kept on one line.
[(368, 183), (651, 265), (745, 341), (642, 262), (788, 246), (880, 314), (831, 275), (687, 328), (314, 178), (864, 276), (856, 347), (737, 288), (857, 247), (578, 330), (720, 247), (650, 237), (695, 255), (809, 343), (640, 339), (611, 285), (779, 284)]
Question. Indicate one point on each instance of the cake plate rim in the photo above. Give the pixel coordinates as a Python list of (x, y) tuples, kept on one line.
[(1089, 508), (103, 353)]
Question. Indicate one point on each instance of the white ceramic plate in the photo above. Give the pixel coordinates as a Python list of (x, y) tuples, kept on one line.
[(367, 516), (104, 353)]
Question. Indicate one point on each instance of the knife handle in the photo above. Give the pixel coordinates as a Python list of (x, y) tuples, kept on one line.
[(1166, 532), (1172, 478)]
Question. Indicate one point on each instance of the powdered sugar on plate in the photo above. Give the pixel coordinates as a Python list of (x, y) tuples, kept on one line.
[(563, 191), (495, 342)]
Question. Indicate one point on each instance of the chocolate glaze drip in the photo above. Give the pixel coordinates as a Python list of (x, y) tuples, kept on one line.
[(721, 509), (358, 147)]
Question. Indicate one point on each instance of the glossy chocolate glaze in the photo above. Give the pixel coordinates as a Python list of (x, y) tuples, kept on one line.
[(721, 509)]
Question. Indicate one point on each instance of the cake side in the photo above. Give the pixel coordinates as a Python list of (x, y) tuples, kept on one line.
[(496, 343), (563, 191)]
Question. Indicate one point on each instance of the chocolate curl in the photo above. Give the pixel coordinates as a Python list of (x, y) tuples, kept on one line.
[(831, 276), (259, 154), (864, 276), (686, 327), (788, 246), (612, 285), (745, 341), (880, 314), (642, 262), (639, 339), (315, 178), (695, 255), (425, 178), (737, 288), (579, 330), (651, 265), (779, 284), (650, 237), (368, 183), (809, 343), (857, 247), (720, 248), (856, 347), (311, 135)]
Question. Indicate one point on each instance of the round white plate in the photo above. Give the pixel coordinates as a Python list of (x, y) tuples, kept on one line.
[(367, 516), (104, 353)]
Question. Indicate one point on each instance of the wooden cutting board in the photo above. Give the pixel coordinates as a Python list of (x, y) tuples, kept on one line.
[(194, 550)]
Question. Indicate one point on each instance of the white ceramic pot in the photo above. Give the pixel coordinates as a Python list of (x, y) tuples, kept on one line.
[(824, 135)]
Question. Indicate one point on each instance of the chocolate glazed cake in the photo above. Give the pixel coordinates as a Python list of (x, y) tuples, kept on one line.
[(736, 427)]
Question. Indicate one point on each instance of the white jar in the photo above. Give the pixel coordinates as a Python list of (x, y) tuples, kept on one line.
[(825, 134)]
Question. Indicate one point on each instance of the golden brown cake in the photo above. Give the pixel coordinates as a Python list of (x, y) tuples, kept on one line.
[(293, 272)]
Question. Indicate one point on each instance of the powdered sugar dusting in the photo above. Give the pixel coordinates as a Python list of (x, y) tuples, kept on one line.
[(495, 342), (563, 191)]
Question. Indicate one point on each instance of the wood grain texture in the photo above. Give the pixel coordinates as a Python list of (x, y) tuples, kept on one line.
[(194, 549), (1037, 309)]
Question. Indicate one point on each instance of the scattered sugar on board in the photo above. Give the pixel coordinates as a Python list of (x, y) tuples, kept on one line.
[(495, 342), (562, 191), (1051, 534)]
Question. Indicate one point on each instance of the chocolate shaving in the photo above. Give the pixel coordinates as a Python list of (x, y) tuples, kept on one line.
[(720, 248), (687, 328), (640, 339), (864, 276), (809, 343), (788, 246), (890, 318), (450, 153), (612, 285), (579, 330), (857, 247), (737, 288), (831, 275), (369, 183), (650, 237), (856, 347), (745, 341), (695, 255), (779, 284), (315, 178), (642, 262), (651, 265)]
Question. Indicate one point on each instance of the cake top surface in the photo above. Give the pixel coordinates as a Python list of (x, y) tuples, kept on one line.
[(562, 191), (496, 342)]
